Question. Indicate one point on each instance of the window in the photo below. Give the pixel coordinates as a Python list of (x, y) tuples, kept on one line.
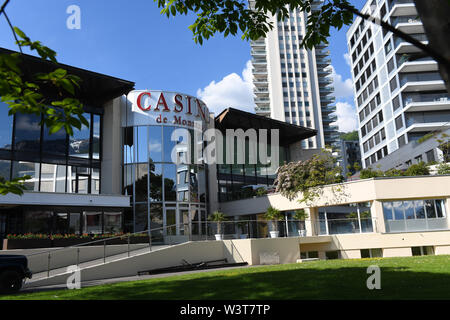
[(399, 122), (383, 11), (390, 65), (27, 136), (414, 215), (401, 141), (393, 84), (6, 127), (330, 255), (371, 253), (422, 251), (430, 156), (388, 47), (396, 103)]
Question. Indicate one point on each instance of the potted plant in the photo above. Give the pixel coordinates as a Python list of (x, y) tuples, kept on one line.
[(218, 217), (300, 215), (242, 225), (274, 215)]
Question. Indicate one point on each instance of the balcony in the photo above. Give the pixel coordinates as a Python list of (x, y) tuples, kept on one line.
[(322, 53), (325, 91), (426, 81), (329, 99), (325, 81), (259, 62), (324, 72), (407, 63), (408, 24), (258, 53), (402, 46), (258, 43), (261, 84), (426, 102), (402, 8)]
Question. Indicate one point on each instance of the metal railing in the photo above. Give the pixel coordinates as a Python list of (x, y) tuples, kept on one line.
[(423, 97), (51, 262)]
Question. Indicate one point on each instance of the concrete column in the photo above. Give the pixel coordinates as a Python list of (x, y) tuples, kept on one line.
[(309, 223), (112, 154), (376, 210)]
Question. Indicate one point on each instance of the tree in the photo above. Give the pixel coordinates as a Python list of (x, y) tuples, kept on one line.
[(24, 92), (218, 217), (308, 177), (350, 136), (229, 16), (274, 215)]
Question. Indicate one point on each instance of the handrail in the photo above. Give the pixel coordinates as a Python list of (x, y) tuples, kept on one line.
[(125, 235), (129, 235)]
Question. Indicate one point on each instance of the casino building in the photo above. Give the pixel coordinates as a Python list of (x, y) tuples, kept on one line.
[(119, 173)]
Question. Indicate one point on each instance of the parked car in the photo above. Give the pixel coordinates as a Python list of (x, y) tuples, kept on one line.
[(13, 271)]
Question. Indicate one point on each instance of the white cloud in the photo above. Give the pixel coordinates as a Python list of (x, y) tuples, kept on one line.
[(233, 91), (347, 120), (342, 88), (347, 59)]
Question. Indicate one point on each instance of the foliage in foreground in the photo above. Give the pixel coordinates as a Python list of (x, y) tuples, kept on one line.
[(25, 93)]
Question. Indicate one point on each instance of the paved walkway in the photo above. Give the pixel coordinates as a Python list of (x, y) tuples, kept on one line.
[(99, 261), (85, 284)]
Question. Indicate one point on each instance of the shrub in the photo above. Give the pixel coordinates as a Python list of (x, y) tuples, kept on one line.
[(418, 169), (443, 168)]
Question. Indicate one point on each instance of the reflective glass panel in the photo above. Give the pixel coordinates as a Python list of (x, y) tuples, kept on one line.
[(55, 143), (170, 181), (155, 143), (96, 137), (21, 168), (156, 182), (420, 211), (79, 142), (27, 132), (6, 127), (92, 222), (113, 222)]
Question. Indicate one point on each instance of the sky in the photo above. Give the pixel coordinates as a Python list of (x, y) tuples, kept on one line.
[(133, 41)]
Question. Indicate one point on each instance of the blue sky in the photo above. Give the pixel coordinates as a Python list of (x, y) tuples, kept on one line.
[(133, 41)]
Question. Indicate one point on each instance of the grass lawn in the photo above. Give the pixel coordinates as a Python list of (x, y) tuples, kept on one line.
[(426, 277)]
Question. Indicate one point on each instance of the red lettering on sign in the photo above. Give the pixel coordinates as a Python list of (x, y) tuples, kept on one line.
[(139, 104), (178, 103), (162, 101)]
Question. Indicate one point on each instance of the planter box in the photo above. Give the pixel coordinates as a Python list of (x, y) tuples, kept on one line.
[(10, 244)]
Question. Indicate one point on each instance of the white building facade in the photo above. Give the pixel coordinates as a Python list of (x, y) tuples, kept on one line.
[(399, 94), (293, 84)]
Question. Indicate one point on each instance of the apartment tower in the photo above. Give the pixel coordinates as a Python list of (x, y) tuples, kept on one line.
[(293, 84), (399, 94)]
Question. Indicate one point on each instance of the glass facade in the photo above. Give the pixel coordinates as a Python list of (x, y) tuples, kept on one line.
[(162, 186), (241, 181), (415, 215), (351, 218), (63, 220), (56, 162)]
